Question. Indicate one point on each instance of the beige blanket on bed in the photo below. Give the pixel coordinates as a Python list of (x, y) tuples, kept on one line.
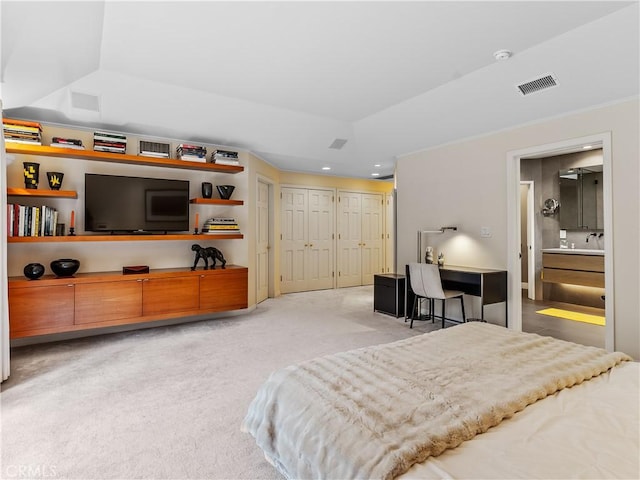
[(374, 412)]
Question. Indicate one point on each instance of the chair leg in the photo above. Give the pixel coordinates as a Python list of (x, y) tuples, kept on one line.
[(443, 312), (464, 318), (432, 310), (413, 310)]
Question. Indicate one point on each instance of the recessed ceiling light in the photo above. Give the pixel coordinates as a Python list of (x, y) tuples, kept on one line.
[(326, 168), (375, 174), (502, 54), (587, 147), (377, 165)]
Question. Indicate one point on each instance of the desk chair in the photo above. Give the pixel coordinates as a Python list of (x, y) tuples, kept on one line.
[(426, 282), (415, 279)]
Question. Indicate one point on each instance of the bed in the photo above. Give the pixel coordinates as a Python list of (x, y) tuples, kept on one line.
[(470, 401)]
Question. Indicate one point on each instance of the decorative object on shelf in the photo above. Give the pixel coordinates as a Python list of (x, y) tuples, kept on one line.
[(65, 267), (33, 271), (225, 191), (441, 259), (207, 190), (31, 174), (197, 224), (60, 230), (428, 255), (135, 269), (72, 226), (205, 253), (551, 206), (55, 180)]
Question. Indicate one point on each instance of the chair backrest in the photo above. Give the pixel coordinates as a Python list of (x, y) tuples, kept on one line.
[(432, 284), (415, 278)]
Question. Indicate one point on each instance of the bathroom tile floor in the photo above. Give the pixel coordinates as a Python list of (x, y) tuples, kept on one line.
[(570, 330)]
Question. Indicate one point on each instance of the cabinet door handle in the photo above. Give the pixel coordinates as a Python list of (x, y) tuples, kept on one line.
[(69, 284), (311, 244)]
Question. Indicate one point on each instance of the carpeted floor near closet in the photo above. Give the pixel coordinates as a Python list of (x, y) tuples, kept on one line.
[(167, 403)]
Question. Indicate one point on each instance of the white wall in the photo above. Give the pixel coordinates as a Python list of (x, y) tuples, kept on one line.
[(464, 184)]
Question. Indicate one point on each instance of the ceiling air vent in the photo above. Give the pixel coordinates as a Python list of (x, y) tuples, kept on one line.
[(338, 143), (85, 101), (542, 83), (385, 177)]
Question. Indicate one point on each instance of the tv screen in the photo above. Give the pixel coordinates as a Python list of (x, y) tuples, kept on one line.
[(120, 204)]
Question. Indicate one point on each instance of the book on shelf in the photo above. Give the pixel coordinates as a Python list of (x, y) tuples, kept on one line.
[(227, 162), (110, 136), (22, 140), (31, 221), (67, 141), (67, 145), (23, 123), (154, 149)]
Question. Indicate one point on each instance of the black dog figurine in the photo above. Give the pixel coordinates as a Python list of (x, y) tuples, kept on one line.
[(205, 254)]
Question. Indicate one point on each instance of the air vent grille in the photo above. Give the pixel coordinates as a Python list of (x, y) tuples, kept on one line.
[(338, 143), (542, 83), (85, 101)]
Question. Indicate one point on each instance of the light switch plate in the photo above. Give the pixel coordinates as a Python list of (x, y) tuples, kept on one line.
[(485, 232)]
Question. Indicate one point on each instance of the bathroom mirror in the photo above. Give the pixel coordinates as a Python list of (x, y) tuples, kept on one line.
[(581, 198)]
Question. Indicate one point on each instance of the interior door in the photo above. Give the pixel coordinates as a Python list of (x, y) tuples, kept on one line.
[(372, 242), (293, 242), (320, 270), (262, 241), (350, 239)]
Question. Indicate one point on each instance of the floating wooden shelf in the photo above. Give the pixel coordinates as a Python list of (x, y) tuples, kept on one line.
[(125, 238), (118, 158), (215, 201), (27, 192)]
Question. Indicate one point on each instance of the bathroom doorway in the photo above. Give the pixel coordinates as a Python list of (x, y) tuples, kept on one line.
[(515, 214)]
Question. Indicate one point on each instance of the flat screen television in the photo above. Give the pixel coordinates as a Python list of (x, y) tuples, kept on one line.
[(122, 204)]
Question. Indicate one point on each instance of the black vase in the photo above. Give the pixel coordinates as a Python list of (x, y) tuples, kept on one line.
[(31, 174), (207, 190), (65, 267), (225, 191), (33, 271), (55, 180)]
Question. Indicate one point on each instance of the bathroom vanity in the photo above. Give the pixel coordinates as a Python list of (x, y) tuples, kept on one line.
[(578, 266)]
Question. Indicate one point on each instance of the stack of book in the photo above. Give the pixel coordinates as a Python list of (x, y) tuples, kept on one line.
[(67, 143), (192, 153), (30, 221), (153, 149), (225, 157), (22, 131), (220, 225), (109, 142)]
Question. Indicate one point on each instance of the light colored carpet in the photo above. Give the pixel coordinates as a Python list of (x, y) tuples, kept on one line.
[(167, 403)]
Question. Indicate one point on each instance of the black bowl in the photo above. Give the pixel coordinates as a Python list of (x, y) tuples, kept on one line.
[(65, 267), (33, 271), (225, 191)]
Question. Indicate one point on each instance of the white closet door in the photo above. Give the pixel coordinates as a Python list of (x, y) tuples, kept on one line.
[(293, 243), (262, 244), (349, 239), (372, 243), (320, 239)]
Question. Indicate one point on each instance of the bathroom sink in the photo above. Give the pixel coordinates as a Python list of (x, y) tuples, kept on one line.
[(575, 251)]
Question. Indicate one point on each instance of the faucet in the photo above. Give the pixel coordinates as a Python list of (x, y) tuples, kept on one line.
[(592, 234), (601, 235)]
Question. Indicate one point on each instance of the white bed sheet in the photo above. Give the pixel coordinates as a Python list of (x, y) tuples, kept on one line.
[(591, 430)]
